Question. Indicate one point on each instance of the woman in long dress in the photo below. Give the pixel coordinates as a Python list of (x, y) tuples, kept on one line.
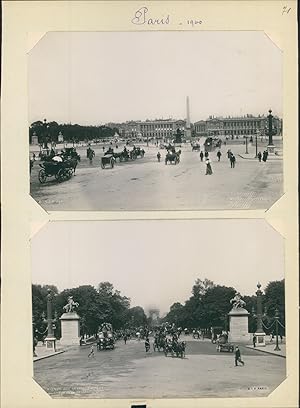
[(208, 167)]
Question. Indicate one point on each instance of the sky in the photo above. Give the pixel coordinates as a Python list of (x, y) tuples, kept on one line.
[(92, 78), (156, 263)]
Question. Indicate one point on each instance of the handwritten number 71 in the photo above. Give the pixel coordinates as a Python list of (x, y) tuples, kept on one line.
[(286, 10)]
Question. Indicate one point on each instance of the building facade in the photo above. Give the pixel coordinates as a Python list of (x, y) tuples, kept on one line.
[(156, 129), (236, 126)]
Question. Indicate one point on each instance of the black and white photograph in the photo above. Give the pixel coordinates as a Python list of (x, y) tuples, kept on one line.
[(140, 121), (136, 310)]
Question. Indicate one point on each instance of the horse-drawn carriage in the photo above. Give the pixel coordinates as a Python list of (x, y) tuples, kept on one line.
[(175, 348), (173, 157), (108, 160), (138, 152), (159, 343), (61, 170), (196, 147), (71, 153), (223, 345), (106, 339)]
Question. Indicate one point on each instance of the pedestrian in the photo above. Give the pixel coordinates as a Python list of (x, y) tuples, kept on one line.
[(125, 338), (229, 153), (208, 167), (147, 344), (265, 156), (206, 155), (219, 154), (158, 156), (232, 161), (238, 358), (201, 156), (92, 352), (254, 340), (259, 156)]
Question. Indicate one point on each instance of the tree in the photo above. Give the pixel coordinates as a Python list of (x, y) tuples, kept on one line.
[(216, 305), (88, 309), (200, 287), (136, 317), (113, 303), (275, 298), (39, 304), (176, 314)]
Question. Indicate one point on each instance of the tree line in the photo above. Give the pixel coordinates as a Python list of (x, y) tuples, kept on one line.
[(208, 306), (96, 306), (48, 131)]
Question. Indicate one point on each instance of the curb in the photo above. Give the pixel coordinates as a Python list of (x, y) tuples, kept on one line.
[(256, 159), (48, 355), (266, 352)]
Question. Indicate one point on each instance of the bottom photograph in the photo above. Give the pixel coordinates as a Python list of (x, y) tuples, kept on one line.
[(158, 309)]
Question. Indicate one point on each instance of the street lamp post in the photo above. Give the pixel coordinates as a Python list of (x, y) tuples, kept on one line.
[(256, 134), (246, 137), (50, 339), (260, 334), (271, 132), (277, 348)]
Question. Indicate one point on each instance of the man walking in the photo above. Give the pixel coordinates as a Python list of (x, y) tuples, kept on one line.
[(237, 356), (208, 167), (259, 156), (147, 345), (254, 340), (232, 161), (219, 154), (92, 352), (201, 156)]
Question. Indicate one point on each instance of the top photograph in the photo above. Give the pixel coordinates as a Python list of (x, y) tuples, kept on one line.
[(155, 121)]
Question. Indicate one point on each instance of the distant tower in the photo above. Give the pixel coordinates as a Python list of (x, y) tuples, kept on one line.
[(188, 132)]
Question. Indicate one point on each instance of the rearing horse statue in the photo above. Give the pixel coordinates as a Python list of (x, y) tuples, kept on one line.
[(70, 306)]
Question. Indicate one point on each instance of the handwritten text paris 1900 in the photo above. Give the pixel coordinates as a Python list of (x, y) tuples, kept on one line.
[(141, 17)]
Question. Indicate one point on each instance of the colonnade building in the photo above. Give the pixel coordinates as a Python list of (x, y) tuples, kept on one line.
[(235, 126), (157, 129), (213, 126)]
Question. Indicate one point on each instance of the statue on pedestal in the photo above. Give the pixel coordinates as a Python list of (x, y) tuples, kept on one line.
[(70, 306), (237, 301)]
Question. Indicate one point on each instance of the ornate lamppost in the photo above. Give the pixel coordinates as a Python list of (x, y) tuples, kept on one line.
[(246, 152), (260, 334), (50, 340), (256, 135), (271, 132)]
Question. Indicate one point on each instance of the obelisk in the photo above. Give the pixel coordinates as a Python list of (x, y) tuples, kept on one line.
[(188, 132)]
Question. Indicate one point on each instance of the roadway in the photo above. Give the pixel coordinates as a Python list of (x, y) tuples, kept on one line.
[(129, 372), (145, 184)]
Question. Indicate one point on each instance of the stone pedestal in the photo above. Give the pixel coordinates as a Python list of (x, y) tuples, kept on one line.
[(260, 339), (188, 134), (271, 149), (70, 331), (34, 140), (50, 343), (238, 325)]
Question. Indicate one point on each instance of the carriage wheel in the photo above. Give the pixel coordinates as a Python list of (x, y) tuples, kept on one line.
[(60, 175), (42, 176), (69, 173)]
